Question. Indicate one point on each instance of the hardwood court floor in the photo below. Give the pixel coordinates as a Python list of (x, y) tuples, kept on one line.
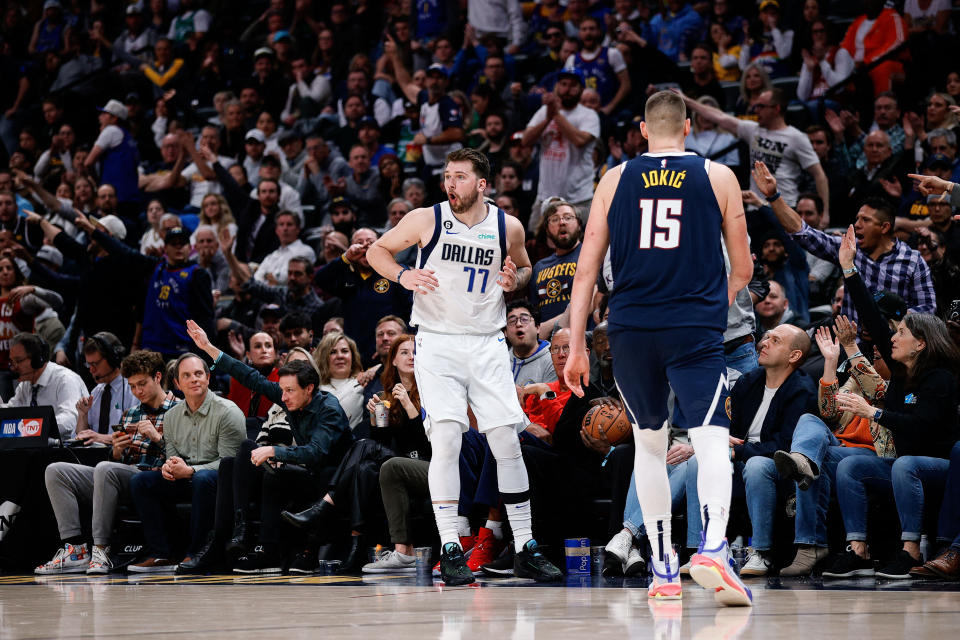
[(390, 607)]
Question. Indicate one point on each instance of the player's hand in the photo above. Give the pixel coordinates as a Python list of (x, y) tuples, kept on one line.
[(419, 280), (577, 371), (765, 181), (508, 275), (931, 184)]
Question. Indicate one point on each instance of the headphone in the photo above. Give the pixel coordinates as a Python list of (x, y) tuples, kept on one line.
[(109, 347), (36, 347)]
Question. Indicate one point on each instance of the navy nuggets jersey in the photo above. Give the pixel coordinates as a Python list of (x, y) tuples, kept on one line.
[(467, 261), (665, 252)]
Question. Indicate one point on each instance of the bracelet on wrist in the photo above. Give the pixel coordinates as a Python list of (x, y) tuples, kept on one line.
[(400, 275), (773, 198), (850, 271)]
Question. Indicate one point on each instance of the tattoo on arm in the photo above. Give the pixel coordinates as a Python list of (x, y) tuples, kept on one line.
[(523, 276)]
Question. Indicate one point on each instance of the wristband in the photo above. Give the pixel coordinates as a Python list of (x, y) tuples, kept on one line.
[(400, 275), (877, 414), (850, 271), (604, 463), (773, 198), (858, 354)]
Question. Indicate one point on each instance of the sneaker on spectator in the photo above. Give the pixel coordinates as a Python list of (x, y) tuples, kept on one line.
[(806, 559), (898, 568), (100, 562), (616, 553), (486, 550), (392, 562), (530, 563), (635, 564), (259, 561), (849, 565), (794, 466), (715, 570), (502, 566), (154, 565), (757, 564), (71, 558), (305, 562), (685, 569), (453, 566)]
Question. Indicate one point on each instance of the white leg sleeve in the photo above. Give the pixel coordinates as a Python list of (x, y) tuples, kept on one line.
[(714, 480)]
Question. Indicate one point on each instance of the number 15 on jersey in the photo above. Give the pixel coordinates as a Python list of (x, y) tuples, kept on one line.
[(660, 223)]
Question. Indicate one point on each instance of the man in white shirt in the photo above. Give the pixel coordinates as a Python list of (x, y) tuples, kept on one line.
[(200, 176), (44, 383), (567, 132), (273, 269), (104, 407), (772, 140)]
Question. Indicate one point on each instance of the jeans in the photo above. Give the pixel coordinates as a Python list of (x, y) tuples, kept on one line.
[(741, 360), (948, 528), (759, 477), (152, 495), (907, 477), (633, 516), (814, 439)]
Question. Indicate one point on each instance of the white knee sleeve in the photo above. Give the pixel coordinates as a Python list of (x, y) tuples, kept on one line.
[(511, 473)]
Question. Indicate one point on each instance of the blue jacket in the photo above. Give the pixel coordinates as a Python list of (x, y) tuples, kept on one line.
[(671, 32), (795, 397)]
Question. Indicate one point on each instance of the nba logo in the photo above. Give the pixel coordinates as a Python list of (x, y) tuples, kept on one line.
[(663, 163), (30, 427), (9, 429)]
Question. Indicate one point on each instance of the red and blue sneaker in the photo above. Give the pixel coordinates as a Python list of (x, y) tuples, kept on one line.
[(715, 569)]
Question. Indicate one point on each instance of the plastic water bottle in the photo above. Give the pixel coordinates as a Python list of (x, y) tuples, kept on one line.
[(924, 548)]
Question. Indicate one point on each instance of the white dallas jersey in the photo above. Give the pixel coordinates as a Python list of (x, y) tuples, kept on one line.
[(466, 261)]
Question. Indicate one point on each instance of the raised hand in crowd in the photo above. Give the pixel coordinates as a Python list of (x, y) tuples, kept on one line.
[(829, 347), (752, 199), (848, 249)]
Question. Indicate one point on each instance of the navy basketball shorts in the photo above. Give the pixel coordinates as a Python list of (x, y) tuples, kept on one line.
[(647, 362)]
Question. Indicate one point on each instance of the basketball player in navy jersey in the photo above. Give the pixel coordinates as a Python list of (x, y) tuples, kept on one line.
[(470, 252), (662, 215)]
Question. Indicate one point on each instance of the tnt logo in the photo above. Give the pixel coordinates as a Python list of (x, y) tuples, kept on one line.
[(31, 427)]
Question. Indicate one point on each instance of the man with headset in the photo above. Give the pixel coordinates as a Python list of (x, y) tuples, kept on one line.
[(44, 383), (111, 397)]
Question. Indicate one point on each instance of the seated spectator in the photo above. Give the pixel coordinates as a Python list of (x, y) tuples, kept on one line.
[(822, 272), (920, 411), (356, 481), (529, 355), (765, 43), (273, 267), (725, 54), (339, 362), (207, 251), (764, 408), (198, 433), (880, 176), (821, 441), (363, 187), (754, 82), (137, 447), (44, 383), (262, 356), (110, 398), (773, 310), (388, 329), (702, 80), (322, 434), (199, 174), (932, 245), (824, 65), (297, 330), (946, 565), (789, 270), (871, 36), (324, 167)]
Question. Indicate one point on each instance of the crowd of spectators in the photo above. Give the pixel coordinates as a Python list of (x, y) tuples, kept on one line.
[(229, 164)]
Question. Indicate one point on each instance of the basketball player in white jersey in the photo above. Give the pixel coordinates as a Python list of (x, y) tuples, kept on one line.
[(663, 215), (470, 252)]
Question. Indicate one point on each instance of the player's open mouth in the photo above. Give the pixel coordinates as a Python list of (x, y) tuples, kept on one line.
[(452, 196)]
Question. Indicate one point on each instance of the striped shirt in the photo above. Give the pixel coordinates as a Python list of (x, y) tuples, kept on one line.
[(901, 270)]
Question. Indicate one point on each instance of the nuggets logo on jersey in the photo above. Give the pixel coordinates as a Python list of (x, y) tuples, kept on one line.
[(381, 286)]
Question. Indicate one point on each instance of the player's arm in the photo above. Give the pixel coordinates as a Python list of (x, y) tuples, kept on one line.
[(412, 229), (596, 239), (727, 189), (517, 269)]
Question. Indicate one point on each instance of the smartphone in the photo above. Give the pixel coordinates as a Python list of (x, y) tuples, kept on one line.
[(118, 428)]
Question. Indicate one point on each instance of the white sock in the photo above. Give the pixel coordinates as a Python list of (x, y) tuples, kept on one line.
[(496, 528), (653, 493), (443, 477), (521, 521), (463, 527), (714, 480)]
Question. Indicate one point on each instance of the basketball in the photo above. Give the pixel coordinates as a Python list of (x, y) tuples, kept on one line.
[(608, 420)]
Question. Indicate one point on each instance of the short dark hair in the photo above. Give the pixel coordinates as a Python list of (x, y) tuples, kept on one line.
[(481, 165), (148, 363), (187, 356), (530, 307), (291, 214), (885, 211), (779, 97), (303, 371), (296, 320), (817, 200)]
